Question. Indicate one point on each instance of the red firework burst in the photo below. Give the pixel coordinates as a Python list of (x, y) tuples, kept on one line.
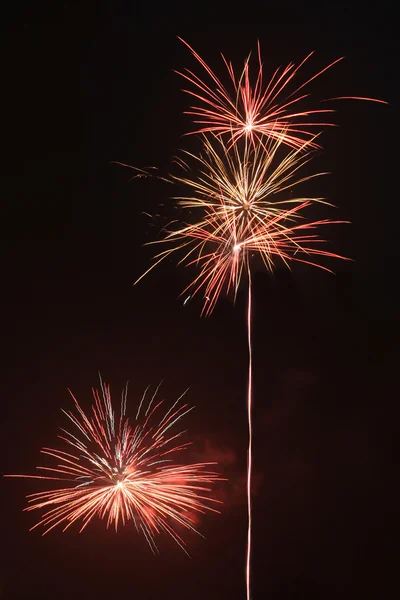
[(257, 109), (119, 472)]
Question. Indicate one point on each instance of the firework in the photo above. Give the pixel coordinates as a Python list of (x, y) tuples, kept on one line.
[(120, 473), (257, 110), (244, 201)]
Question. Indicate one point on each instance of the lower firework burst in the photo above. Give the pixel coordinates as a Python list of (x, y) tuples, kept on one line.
[(119, 472)]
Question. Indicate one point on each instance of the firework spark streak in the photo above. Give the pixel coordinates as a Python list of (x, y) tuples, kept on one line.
[(120, 472), (256, 110)]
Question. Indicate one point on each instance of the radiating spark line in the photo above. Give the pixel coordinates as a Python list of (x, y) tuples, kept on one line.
[(141, 401), (152, 398), (126, 476)]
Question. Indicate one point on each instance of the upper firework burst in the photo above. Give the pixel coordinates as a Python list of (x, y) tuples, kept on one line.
[(256, 109), (119, 472)]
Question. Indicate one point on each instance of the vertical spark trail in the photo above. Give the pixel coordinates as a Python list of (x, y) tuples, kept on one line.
[(249, 453)]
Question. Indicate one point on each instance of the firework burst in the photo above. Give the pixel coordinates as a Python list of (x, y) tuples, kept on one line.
[(118, 472), (255, 110), (245, 205)]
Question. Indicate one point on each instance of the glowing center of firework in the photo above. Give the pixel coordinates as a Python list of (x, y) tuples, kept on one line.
[(119, 485), (236, 247), (248, 127)]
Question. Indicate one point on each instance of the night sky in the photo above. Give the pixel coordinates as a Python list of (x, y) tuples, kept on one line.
[(83, 86)]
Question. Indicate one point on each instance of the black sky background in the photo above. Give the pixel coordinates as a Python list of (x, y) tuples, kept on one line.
[(83, 86)]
